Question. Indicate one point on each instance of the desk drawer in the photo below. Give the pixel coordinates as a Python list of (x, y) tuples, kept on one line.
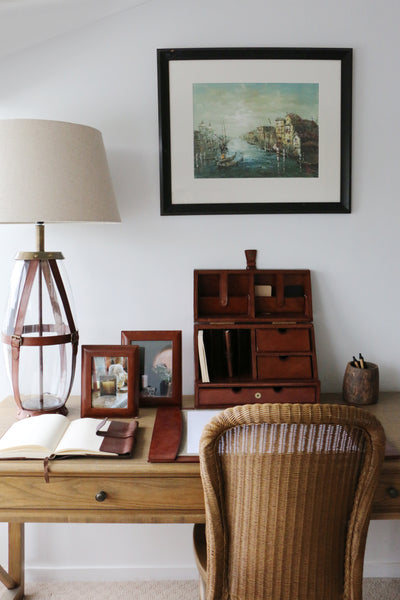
[(72, 493), (386, 503)]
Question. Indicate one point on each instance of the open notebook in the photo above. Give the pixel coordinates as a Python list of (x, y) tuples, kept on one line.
[(53, 435)]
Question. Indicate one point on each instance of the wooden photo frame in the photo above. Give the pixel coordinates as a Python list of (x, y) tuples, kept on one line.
[(160, 366), (110, 381), (255, 130)]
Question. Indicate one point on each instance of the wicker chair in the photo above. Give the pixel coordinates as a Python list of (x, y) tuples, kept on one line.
[(288, 493)]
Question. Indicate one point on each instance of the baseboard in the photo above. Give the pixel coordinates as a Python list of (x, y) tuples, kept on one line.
[(381, 569), (371, 569), (110, 574)]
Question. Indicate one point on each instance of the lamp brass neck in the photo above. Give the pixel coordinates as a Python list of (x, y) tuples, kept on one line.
[(40, 253), (40, 236)]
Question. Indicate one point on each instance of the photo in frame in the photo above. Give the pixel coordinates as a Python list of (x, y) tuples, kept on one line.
[(160, 366), (110, 381), (255, 130)]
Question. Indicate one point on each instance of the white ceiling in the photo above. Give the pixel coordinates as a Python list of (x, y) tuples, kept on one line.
[(24, 23)]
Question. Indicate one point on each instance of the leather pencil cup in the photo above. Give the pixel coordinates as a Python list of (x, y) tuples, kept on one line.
[(361, 386)]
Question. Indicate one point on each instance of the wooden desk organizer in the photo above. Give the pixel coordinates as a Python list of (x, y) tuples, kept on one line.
[(254, 335)]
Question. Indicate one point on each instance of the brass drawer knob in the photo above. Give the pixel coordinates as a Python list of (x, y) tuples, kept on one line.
[(393, 492), (257, 395), (101, 496)]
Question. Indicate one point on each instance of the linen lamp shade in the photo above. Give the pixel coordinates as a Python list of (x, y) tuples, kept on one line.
[(54, 172)]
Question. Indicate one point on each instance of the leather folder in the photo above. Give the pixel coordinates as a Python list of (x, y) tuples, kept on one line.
[(119, 438), (167, 437)]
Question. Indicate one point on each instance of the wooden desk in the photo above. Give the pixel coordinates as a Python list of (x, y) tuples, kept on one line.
[(136, 491)]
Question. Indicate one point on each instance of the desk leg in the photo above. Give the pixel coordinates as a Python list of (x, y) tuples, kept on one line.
[(15, 578)]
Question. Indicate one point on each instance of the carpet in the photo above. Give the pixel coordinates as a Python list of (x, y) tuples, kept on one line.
[(374, 589), (126, 590)]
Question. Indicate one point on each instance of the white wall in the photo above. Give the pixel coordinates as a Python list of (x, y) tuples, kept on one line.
[(104, 75)]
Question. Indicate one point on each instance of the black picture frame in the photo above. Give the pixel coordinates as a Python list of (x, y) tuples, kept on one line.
[(329, 192)]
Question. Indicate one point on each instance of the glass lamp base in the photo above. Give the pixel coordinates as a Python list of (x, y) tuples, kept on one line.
[(36, 406), (39, 335)]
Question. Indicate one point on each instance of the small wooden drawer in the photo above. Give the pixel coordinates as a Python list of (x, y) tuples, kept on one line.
[(222, 397), (284, 367), (283, 339)]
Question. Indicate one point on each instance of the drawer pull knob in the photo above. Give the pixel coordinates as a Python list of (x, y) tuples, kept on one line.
[(393, 492), (101, 496), (257, 395)]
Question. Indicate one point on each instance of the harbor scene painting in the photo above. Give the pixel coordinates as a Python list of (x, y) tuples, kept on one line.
[(255, 130)]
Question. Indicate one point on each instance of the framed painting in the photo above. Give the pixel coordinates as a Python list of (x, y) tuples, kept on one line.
[(255, 130), (110, 381), (160, 366)]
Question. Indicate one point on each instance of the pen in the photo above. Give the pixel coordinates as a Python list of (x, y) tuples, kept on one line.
[(355, 362), (361, 359)]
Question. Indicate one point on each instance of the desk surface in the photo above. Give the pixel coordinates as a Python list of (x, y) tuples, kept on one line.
[(138, 464), (139, 491), (134, 490)]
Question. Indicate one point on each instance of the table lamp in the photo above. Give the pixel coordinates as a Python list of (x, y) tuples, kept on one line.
[(50, 172)]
